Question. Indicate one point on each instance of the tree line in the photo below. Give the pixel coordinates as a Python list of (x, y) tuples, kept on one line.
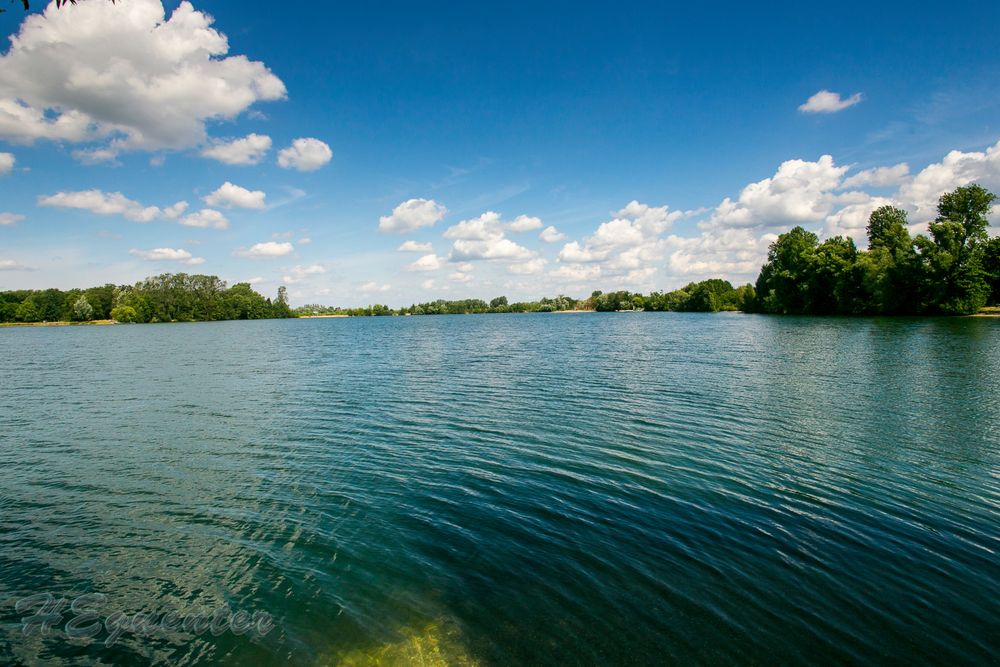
[(707, 296), (170, 297)]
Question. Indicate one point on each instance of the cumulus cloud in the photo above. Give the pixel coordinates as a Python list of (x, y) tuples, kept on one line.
[(7, 219), (426, 263), (167, 255), (879, 177), (920, 194), (206, 218), (413, 246), (111, 203), (460, 277), (266, 250), (800, 192), (826, 102), (125, 76), (6, 163), (551, 235), (484, 228), (496, 248), (412, 214), (229, 195), (574, 253), (530, 267), (306, 154), (524, 223), (251, 149)]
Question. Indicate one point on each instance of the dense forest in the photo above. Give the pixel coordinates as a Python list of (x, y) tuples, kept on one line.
[(954, 271), (176, 297)]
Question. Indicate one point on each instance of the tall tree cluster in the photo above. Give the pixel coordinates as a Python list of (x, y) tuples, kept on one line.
[(955, 270)]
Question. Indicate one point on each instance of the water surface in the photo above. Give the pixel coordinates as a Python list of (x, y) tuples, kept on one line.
[(572, 489)]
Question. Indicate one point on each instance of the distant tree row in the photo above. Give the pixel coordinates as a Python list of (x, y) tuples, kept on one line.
[(177, 297), (707, 296), (954, 271)]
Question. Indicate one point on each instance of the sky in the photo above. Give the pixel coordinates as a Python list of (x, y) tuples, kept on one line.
[(399, 152)]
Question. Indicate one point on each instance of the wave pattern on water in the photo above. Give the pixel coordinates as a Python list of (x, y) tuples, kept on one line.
[(586, 489)]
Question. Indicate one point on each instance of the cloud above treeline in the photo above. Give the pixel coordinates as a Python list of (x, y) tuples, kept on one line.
[(639, 246)]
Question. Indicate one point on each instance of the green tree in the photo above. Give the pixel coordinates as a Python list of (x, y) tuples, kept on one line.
[(952, 258), (82, 310), (991, 265), (27, 312), (124, 314), (783, 285)]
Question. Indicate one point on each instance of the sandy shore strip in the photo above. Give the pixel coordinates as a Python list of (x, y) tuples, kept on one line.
[(319, 317), (56, 324)]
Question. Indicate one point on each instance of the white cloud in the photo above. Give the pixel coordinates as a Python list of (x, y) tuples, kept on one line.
[(7, 219), (920, 194), (305, 240), (524, 223), (266, 250), (800, 192), (460, 277), (413, 246), (551, 235), (879, 177), (489, 249), (229, 195), (465, 267), (299, 273), (852, 220), (576, 273), (6, 163), (123, 75), (484, 228), (530, 267), (306, 154), (574, 253), (110, 203), (428, 284), (251, 149), (426, 263), (826, 102), (412, 214), (167, 255), (206, 217), (11, 265), (371, 286)]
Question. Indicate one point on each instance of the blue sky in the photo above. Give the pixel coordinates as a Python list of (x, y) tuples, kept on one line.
[(662, 144)]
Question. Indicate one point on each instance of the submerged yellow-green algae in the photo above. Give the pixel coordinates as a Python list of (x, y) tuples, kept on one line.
[(433, 646)]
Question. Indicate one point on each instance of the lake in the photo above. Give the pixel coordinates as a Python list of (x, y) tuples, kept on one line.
[(633, 488)]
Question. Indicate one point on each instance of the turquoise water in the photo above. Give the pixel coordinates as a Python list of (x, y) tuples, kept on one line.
[(539, 489)]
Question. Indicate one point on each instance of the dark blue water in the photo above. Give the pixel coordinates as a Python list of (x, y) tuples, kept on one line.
[(502, 490)]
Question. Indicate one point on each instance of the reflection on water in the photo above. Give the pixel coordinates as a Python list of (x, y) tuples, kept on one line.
[(587, 489)]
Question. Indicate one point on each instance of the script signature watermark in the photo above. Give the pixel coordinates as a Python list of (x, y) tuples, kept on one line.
[(90, 617)]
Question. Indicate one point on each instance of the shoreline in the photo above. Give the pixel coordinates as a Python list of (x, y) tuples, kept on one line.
[(58, 324)]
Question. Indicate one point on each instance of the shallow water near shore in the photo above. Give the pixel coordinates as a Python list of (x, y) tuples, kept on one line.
[(641, 488)]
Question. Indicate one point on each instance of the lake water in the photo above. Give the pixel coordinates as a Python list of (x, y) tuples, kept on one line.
[(511, 490)]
